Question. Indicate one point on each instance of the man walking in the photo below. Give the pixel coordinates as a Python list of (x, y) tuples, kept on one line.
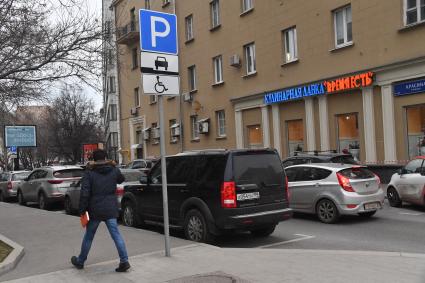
[(99, 200)]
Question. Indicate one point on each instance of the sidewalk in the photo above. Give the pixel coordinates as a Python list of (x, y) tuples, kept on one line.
[(204, 263)]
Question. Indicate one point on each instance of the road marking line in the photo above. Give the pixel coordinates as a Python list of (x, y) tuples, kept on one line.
[(302, 238), (410, 213)]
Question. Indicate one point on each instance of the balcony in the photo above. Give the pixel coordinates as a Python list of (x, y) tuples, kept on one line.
[(129, 33)]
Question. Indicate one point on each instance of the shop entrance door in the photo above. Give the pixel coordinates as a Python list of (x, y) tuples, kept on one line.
[(416, 130), (348, 134), (295, 136)]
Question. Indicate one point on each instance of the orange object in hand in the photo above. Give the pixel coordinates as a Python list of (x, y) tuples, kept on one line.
[(84, 219)]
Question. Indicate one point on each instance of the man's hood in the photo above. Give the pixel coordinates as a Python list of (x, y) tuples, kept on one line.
[(102, 167)]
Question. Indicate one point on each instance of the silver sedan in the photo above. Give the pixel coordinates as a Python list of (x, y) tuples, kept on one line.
[(331, 190)]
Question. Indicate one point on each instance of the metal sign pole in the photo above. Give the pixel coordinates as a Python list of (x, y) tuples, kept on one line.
[(164, 176)]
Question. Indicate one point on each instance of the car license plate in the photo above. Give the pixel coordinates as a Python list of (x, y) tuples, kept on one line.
[(247, 196), (373, 205)]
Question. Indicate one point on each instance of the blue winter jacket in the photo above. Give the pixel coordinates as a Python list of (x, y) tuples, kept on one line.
[(98, 187)]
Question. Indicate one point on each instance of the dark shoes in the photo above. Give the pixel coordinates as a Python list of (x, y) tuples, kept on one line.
[(123, 267), (74, 261)]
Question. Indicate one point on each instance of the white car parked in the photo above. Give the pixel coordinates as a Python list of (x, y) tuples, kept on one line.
[(408, 184)]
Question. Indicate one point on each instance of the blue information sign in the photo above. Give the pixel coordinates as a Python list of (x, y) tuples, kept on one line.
[(20, 136), (409, 87), (158, 32)]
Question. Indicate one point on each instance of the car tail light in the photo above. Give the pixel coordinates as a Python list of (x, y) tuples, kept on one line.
[(344, 182), (9, 185), (377, 177), (55, 182), (351, 205), (228, 195), (288, 193), (119, 191)]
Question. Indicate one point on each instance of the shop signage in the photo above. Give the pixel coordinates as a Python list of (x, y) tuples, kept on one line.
[(324, 87), (20, 136), (409, 87)]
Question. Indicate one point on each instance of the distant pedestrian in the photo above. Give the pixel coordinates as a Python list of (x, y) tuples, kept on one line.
[(99, 200)]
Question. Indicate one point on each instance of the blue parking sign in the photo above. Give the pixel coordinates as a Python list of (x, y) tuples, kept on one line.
[(158, 32)]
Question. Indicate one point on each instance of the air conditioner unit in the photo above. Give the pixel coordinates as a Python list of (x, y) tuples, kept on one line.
[(155, 133), (133, 111), (175, 130), (204, 126), (235, 61), (146, 134), (187, 97)]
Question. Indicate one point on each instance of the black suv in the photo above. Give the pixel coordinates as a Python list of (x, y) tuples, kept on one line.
[(213, 191), (319, 157)]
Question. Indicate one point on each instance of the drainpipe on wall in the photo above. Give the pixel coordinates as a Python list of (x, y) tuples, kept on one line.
[(180, 99)]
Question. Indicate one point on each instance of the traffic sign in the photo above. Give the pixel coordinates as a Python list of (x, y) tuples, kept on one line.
[(158, 32), (13, 150), (156, 63), (159, 84)]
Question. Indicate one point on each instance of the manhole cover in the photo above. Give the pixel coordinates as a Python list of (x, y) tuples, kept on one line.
[(216, 277)]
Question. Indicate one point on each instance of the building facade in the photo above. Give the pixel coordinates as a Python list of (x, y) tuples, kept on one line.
[(293, 75), (111, 109)]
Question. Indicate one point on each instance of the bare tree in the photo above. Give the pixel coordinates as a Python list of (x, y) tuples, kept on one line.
[(43, 41), (73, 121)]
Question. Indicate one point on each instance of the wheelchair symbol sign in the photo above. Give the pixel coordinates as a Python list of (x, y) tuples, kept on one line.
[(159, 86), (154, 84)]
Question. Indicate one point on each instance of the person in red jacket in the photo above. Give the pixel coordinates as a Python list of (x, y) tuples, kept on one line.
[(98, 198)]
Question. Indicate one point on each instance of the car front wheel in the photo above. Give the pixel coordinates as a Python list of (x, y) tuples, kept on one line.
[(195, 227)]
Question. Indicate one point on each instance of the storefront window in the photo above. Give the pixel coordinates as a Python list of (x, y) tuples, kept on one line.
[(255, 137), (295, 136), (348, 134), (416, 130)]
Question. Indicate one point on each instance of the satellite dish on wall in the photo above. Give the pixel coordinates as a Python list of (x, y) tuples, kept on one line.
[(196, 105)]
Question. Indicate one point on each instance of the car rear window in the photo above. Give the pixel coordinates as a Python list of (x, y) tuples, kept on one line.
[(132, 176), (357, 173), (68, 173), (345, 159), (257, 168), (20, 176)]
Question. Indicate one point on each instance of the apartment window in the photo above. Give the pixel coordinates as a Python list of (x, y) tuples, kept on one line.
[(136, 97), (290, 44), (215, 13), (221, 123), (133, 15), (343, 26), (153, 99), (147, 4), (111, 84), (189, 27), (114, 140), (172, 122), (112, 112), (155, 133), (108, 29), (415, 11), (247, 5), (194, 127), (134, 58), (192, 77), (218, 69), (250, 58)]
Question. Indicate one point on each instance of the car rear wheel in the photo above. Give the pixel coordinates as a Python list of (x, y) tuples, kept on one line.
[(68, 206), (327, 211), (263, 232), (195, 227), (21, 199), (42, 201), (130, 217), (393, 197), (367, 214)]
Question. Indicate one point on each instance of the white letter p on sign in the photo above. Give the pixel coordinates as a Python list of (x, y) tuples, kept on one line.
[(156, 34)]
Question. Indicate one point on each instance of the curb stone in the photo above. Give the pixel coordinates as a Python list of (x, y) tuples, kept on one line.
[(13, 258)]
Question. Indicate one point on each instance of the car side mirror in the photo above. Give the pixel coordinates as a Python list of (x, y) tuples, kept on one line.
[(144, 179)]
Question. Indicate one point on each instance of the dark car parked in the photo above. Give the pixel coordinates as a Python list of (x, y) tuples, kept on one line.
[(319, 157), (213, 191)]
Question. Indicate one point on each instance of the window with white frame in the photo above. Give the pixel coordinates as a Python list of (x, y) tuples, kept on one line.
[(112, 112), (114, 139), (136, 97), (343, 26), (153, 99), (247, 5), (221, 123), (173, 138), (250, 58), (414, 11), (290, 44), (111, 84), (194, 127), (192, 77), (215, 13), (189, 27), (218, 69), (109, 57)]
